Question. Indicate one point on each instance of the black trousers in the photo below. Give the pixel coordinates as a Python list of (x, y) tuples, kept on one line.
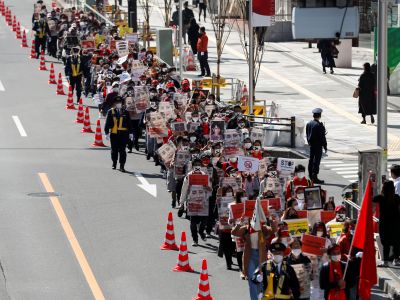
[(202, 7), (118, 147), (212, 215), (52, 46), (197, 226), (136, 134), (315, 160), (386, 251), (178, 189), (204, 67), (40, 44), (76, 83), (228, 247)]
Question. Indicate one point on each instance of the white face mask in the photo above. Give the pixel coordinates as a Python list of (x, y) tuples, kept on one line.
[(301, 175), (340, 217), (205, 120), (118, 105), (300, 203), (197, 169), (115, 90), (335, 258), (233, 159), (247, 145), (217, 151), (277, 259), (192, 139), (300, 197), (296, 252), (320, 233), (229, 194), (195, 119)]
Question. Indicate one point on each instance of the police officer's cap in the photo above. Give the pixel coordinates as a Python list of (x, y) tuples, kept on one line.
[(277, 246), (317, 110)]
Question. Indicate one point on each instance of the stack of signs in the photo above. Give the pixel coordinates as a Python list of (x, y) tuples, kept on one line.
[(248, 164), (156, 126), (142, 100), (167, 152), (181, 158), (223, 211), (257, 133), (197, 202), (122, 48), (232, 138)]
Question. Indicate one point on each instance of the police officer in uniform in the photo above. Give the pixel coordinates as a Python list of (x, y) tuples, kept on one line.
[(278, 278), (41, 29), (118, 130), (316, 133), (74, 69)]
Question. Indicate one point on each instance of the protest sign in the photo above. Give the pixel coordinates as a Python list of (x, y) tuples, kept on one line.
[(198, 179), (193, 126), (302, 214), (275, 203), (88, 44), (237, 210), (197, 202), (181, 158), (141, 97), (217, 130), (223, 211), (327, 215), (232, 138), (285, 165), (249, 206), (122, 48), (166, 110), (312, 197), (257, 133), (178, 126), (167, 152), (234, 182), (335, 229), (312, 244), (208, 109), (132, 38), (303, 275), (297, 227), (263, 167), (130, 104), (248, 164)]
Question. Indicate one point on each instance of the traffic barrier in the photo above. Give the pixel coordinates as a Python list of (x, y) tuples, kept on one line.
[(70, 100), (203, 292), (42, 66), (24, 43), (258, 110), (33, 51), (183, 257), (86, 123), (169, 240), (80, 114), (98, 138), (60, 89), (52, 77), (18, 32)]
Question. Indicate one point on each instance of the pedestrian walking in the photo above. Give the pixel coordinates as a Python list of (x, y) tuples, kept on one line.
[(202, 52), (316, 138), (193, 35), (367, 94), (389, 222), (187, 16), (42, 30), (74, 70), (328, 50), (118, 130), (203, 8)]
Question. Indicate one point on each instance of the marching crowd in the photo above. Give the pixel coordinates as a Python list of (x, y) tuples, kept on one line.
[(218, 174)]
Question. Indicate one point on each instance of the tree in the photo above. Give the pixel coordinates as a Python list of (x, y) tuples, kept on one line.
[(146, 26), (222, 27), (259, 34)]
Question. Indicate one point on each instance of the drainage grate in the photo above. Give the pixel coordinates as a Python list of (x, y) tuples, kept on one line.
[(44, 194)]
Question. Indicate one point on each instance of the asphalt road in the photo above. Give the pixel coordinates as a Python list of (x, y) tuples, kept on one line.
[(98, 235)]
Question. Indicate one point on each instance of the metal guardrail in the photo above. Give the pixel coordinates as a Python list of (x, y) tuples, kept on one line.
[(350, 203), (86, 6), (291, 123)]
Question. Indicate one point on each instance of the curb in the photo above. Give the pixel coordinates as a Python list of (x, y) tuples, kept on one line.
[(389, 283)]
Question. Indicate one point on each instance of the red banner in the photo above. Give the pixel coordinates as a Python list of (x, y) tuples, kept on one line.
[(302, 214), (237, 210), (251, 204), (275, 203), (312, 244), (327, 215), (264, 7), (198, 179)]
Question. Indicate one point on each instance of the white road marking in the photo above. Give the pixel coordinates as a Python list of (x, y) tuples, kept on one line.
[(340, 165), (345, 172), (325, 162), (146, 186), (18, 123), (2, 89), (350, 176), (345, 168)]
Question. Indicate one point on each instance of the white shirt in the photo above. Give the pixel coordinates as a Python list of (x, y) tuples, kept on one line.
[(254, 240), (397, 185)]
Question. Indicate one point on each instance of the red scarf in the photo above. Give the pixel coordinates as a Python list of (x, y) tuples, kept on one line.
[(335, 274)]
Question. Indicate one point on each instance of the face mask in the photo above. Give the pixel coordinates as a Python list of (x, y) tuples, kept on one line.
[(241, 125), (233, 159), (296, 252), (352, 232), (195, 119), (217, 151), (335, 258), (192, 139), (320, 233), (277, 259), (205, 120), (300, 203), (340, 217), (229, 194), (247, 145), (185, 148), (197, 169), (301, 175), (118, 105), (300, 197)]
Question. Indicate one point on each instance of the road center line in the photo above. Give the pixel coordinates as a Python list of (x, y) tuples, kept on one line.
[(2, 89), (80, 256), (20, 128)]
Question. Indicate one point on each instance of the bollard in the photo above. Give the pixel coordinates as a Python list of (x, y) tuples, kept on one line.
[(293, 132)]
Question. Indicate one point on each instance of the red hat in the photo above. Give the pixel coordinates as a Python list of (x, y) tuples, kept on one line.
[(340, 207), (170, 84), (154, 82)]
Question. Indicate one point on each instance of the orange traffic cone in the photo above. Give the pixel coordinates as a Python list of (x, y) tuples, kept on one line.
[(98, 138), (190, 66), (245, 96), (169, 240), (24, 43), (183, 257), (60, 90), (52, 78), (203, 293), (70, 100), (8, 17), (18, 36), (14, 24), (2, 8), (42, 66), (86, 122), (33, 51), (79, 114)]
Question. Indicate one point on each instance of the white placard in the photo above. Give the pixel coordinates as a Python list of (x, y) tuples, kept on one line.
[(248, 164)]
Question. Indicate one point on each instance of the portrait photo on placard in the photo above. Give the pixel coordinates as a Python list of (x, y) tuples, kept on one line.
[(312, 197), (217, 130)]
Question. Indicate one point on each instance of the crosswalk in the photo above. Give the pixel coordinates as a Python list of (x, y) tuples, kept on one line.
[(348, 170)]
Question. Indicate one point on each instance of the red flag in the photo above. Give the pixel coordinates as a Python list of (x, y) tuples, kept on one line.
[(364, 239)]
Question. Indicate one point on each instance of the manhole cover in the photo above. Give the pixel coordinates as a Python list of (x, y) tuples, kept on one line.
[(43, 194)]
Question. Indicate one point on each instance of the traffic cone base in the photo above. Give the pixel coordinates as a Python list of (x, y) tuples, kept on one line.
[(203, 292), (169, 240), (42, 66), (60, 90), (98, 138), (24, 43), (70, 100), (86, 123), (183, 257), (33, 51), (52, 76), (80, 114)]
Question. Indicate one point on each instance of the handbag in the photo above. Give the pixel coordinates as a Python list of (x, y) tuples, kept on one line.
[(356, 92)]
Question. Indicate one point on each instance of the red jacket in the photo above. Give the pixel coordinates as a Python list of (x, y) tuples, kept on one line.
[(202, 43)]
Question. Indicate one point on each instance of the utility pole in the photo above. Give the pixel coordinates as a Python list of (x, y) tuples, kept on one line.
[(251, 58), (180, 39), (132, 14), (382, 82)]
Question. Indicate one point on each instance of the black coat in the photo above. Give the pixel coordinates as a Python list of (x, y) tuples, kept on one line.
[(193, 33), (126, 121), (367, 97), (325, 285), (389, 219)]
